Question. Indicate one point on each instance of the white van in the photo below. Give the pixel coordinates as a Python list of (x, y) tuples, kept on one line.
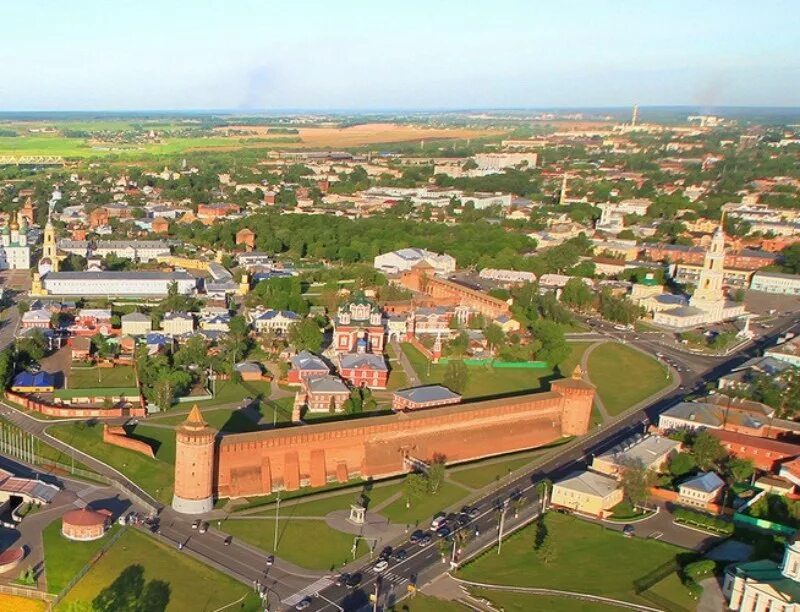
[(438, 521)]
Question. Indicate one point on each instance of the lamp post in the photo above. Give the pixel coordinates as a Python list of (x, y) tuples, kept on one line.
[(277, 511)]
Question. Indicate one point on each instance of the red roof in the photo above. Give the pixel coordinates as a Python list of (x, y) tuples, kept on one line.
[(84, 518), (731, 437)]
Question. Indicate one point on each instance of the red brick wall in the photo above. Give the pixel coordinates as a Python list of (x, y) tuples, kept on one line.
[(117, 437), (257, 463), (83, 413)]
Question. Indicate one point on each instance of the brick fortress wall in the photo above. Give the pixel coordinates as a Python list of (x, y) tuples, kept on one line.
[(261, 462)]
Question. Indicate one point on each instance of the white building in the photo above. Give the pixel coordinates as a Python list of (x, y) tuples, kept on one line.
[(15, 254), (707, 304), (612, 214), (764, 585), (273, 321), (507, 276), (787, 351), (117, 284), (135, 250), (403, 260), (775, 282), (490, 163)]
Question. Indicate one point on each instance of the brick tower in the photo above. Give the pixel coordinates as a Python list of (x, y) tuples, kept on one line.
[(578, 397), (194, 465)]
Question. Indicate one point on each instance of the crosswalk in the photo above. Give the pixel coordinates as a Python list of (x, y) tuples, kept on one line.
[(311, 589), (394, 579)]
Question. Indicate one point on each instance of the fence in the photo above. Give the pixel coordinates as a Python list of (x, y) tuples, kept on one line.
[(111, 541), (19, 591), (530, 365), (751, 521)]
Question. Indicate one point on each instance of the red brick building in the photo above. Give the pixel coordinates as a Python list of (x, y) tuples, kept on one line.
[(358, 327), (306, 365), (765, 453), (364, 370)]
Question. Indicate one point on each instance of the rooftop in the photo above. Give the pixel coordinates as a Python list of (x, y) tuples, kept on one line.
[(428, 393), (590, 483)]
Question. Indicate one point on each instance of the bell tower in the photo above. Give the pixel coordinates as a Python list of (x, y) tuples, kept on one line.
[(49, 247), (194, 465)]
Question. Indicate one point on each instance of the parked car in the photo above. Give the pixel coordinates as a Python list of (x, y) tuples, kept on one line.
[(424, 540), (628, 531), (303, 603), (380, 566), (400, 554), (416, 536)]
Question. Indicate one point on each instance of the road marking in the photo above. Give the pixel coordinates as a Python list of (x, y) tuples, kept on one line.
[(311, 589), (656, 535)]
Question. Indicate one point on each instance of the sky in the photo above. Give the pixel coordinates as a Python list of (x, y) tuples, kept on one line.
[(250, 55)]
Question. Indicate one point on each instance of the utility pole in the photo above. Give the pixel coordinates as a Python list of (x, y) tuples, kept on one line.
[(500, 531), (375, 601), (277, 510)]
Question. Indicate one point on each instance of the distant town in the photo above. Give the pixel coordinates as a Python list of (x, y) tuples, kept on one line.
[(456, 361)]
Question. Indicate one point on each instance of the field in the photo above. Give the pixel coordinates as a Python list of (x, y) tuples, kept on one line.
[(94, 378), (423, 509), (624, 376), (585, 558), (365, 134), (13, 603), (63, 558), (190, 585), (154, 475), (307, 543), (518, 602), (425, 603), (257, 137), (486, 472)]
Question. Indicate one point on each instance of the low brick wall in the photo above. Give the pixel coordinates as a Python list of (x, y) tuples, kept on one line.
[(413, 341), (117, 436), (74, 412)]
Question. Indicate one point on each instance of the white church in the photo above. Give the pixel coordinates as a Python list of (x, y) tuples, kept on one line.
[(15, 254), (764, 585), (708, 304)]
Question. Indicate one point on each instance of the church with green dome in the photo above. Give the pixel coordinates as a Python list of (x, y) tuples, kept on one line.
[(15, 254)]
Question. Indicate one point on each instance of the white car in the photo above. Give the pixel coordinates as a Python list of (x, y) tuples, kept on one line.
[(380, 566)]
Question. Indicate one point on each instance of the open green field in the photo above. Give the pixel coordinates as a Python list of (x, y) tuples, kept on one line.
[(153, 475), (229, 392), (191, 585), (519, 602), (487, 381), (423, 509), (485, 472), (64, 558), (325, 505), (672, 595), (397, 377), (93, 378), (307, 543), (624, 376), (586, 558), (426, 603)]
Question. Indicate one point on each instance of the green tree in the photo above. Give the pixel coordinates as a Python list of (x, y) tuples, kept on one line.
[(495, 336), (6, 367), (436, 472), (456, 376), (708, 451), (553, 346), (306, 335), (739, 469), (681, 464), (415, 486), (577, 294), (636, 480)]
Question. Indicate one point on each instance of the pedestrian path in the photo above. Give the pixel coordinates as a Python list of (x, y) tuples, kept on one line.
[(312, 589)]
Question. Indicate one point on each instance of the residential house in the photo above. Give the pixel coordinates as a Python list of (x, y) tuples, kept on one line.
[(321, 392), (177, 323), (364, 370), (587, 492), (306, 365), (249, 370), (651, 451), (275, 322), (39, 318), (701, 490), (81, 347), (136, 324)]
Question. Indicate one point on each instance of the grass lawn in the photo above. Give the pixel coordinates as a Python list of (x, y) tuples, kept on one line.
[(229, 392), (519, 602), (307, 543), (63, 558), (624, 376), (192, 585), (586, 558), (426, 603), (93, 378), (486, 380), (229, 420), (423, 509), (321, 507), (154, 475), (397, 377), (485, 472), (14, 603), (672, 595)]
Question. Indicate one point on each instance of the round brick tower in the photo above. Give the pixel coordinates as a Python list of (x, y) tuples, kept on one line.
[(194, 465)]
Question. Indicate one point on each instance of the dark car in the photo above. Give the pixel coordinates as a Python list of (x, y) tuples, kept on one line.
[(443, 532), (628, 531), (270, 559), (400, 554), (386, 553), (342, 579), (416, 536), (473, 512), (424, 540), (451, 518), (227, 541), (462, 519), (353, 580)]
